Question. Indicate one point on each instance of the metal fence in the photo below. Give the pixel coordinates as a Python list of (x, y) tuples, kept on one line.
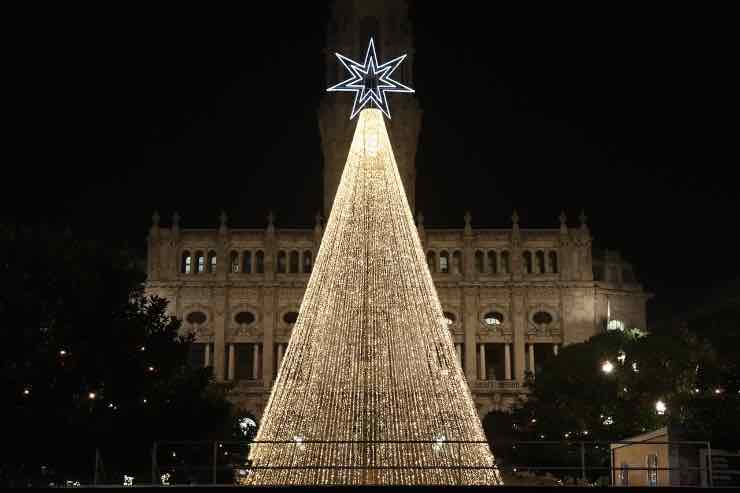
[(614, 463)]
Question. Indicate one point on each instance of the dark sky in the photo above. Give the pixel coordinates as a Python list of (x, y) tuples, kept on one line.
[(625, 114)]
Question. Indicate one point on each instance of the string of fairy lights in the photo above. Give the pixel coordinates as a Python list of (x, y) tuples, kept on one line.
[(371, 360)]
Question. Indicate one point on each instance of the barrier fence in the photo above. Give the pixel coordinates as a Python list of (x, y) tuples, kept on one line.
[(614, 463)]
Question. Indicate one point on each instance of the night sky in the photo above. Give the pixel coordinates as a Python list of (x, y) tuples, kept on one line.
[(625, 114)]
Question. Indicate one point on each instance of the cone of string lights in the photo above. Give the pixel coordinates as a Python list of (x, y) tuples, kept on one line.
[(370, 390)]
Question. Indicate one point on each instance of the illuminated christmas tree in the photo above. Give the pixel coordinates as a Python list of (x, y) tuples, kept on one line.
[(370, 390)]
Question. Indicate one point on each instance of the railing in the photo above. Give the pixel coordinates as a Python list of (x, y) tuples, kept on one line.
[(495, 385), (536, 462)]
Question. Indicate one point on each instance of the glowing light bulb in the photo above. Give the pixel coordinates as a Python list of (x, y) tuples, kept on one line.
[(660, 407), (26, 391), (607, 367), (91, 395)]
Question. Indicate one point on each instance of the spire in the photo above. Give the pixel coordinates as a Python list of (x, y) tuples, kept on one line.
[(317, 229), (154, 230), (515, 232), (468, 230), (223, 220), (370, 358), (271, 222), (175, 222), (563, 223), (584, 227)]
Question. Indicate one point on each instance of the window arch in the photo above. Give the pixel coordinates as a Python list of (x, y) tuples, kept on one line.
[(479, 262), (282, 260), (290, 317), (196, 318), (540, 262), (212, 259), (457, 265), (234, 261), (552, 258), (245, 318), (493, 318), (259, 262), (450, 319), (293, 264), (505, 265), (200, 262), (186, 263), (247, 262), (444, 262), (527, 257), (432, 261), (307, 261), (542, 318), (492, 262)]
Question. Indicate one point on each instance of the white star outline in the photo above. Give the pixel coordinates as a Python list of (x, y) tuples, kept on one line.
[(360, 72)]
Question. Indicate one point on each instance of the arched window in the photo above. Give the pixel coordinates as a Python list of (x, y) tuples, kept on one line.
[(196, 318), (492, 262), (479, 262), (432, 261), (247, 262), (281, 261), (212, 258), (444, 262), (290, 318), (552, 258), (186, 264), (293, 262), (244, 318), (540, 258), (234, 261), (200, 262), (457, 262), (505, 267), (527, 257), (449, 318), (307, 261), (259, 262), (542, 318), (492, 319)]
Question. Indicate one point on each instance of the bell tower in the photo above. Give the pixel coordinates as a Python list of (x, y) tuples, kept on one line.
[(351, 25)]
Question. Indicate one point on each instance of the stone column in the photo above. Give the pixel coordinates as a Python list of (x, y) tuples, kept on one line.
[(458, 350), (470, 323), (219, 331), (507, 361), (208, 355), (520, 326), (531, 358), (268, 340), (279, 357), (232, 363), (482, 367), (255, 361)]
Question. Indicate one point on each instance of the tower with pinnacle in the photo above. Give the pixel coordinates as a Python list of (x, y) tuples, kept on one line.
[(351, 25)]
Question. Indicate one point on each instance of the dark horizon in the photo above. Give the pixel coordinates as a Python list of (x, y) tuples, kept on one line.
[(618, 116)]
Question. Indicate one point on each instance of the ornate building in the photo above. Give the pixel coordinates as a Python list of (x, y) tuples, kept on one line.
[(512, 296)]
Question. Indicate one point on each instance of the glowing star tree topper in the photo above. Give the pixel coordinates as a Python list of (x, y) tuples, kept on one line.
[(370, 81)]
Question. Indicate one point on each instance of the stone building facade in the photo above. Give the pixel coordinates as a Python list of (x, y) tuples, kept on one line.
[(512, 296)]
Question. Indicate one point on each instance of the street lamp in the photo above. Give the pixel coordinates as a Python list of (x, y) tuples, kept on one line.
[(607, 367)]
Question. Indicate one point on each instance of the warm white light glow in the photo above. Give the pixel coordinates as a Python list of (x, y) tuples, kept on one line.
[(366, 355), (621, 357), (608, 421), (660, 407), (62, 352), (91, 395), (26, 391), (607, 367)]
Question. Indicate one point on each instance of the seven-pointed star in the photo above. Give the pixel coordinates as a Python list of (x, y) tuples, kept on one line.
[(370, 82)]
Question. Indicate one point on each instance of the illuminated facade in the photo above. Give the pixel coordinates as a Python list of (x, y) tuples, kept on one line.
[(512, 296)]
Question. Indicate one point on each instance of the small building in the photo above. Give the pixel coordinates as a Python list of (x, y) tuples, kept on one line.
[(658, 458)]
